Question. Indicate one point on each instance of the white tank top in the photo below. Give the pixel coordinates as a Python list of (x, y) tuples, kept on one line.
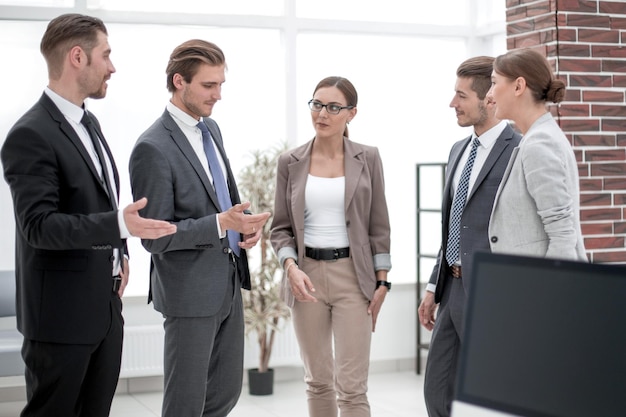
[(324, 213)]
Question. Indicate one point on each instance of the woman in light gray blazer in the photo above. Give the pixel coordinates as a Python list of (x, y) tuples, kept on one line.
[(536, 209), (331, 234)]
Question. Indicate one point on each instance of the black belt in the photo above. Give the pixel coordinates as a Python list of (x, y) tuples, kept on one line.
[(231, 256), (326, 254), (117, 282)]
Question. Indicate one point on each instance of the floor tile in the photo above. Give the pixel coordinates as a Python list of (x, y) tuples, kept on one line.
[(393, 394)]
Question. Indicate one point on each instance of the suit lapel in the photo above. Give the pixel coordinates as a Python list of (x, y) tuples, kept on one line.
[(71, 134), (219, 142), (353, 165), (447, 190), (298, 172), (499, 146), (185, 147), (116, 176)]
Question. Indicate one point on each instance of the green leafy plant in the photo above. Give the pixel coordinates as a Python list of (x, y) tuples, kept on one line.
[(264, 311)]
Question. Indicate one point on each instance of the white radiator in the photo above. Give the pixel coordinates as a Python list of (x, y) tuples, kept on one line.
[(142, 354), (284, 353)]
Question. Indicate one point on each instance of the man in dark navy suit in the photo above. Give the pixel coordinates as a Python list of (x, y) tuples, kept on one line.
[(475, 168), (70, 236)]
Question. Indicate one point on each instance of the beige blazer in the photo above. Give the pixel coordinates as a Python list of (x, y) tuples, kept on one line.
[(536, 209), (367, 218)]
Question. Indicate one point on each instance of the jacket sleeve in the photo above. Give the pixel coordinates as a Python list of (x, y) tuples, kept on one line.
[(282, 236), (379, 228), (46, 200)]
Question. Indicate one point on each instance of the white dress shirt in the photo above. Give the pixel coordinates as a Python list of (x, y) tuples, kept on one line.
[(487, 140), (74, 114), (188, 125)]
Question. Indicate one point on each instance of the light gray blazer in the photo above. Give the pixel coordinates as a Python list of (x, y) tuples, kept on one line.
[(189, 269), (536, 209), (367, 217)]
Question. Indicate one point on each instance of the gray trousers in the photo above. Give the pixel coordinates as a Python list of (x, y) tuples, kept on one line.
[(204, 360), (443, 353)]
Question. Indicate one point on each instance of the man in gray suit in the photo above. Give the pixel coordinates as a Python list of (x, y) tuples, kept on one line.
[(179, 163), (475, 168)]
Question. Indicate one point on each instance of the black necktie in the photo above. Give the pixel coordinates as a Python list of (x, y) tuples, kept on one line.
[(95, 139)]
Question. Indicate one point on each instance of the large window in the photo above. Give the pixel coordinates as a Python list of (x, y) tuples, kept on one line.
[(402, 60), (450, 12), (237, 7)]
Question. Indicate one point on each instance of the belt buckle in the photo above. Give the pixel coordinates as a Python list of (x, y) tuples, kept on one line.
[(335, 254), (117, 283)]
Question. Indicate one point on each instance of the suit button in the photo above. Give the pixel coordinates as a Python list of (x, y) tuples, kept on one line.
[(111, 258), (348, 223), (225, 250), (494, 239)]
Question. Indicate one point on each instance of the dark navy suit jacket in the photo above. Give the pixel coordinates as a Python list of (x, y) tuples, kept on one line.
[(475, 218)]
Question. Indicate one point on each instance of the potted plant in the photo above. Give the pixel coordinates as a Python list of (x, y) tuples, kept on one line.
[(264, 311)]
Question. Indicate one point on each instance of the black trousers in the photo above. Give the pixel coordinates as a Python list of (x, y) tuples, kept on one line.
[(65, 380)]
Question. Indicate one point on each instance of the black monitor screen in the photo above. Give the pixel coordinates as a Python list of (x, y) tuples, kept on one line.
[(545, 338)]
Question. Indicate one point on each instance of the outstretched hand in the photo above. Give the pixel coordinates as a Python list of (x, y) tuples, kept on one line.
[(236, 219), (145, 228)]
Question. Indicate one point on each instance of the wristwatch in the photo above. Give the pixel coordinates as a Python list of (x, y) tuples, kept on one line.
[(385, 283)]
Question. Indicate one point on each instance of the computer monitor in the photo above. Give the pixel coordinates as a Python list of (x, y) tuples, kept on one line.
[(543, 338)]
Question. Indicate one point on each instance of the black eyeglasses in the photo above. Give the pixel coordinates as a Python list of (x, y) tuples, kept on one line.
[(331, 108)]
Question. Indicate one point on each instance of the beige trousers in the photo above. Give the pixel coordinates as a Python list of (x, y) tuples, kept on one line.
[(334, 335)]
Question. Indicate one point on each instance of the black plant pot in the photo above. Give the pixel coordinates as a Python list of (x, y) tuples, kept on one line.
[(261, 383)]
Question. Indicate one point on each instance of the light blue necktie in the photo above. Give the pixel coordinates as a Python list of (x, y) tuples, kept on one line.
[(458, 204), (219, 182)]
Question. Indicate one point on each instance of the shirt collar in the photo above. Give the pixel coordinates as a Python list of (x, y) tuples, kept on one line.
[(69, 109), (181, 115), (488, 138)]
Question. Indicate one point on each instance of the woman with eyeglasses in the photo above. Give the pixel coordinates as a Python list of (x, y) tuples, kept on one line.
[(331, 234)]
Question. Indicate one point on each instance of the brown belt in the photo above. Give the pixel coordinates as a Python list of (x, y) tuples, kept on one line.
[(456, 271)]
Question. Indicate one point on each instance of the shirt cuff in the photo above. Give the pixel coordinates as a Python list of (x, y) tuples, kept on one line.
[(431, 287), (124, 233), (219, 228)]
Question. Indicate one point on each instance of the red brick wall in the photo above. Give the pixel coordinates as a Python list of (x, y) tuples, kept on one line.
[(585, 41)]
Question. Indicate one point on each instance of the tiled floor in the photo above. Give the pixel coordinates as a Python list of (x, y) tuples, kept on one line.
[(395, 394)]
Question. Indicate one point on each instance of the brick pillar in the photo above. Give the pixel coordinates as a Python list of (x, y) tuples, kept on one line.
[(585, 41)]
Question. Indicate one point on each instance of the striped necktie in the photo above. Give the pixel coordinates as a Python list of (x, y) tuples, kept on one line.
[(458, 204)]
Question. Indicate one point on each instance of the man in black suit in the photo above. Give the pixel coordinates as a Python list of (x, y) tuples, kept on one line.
[(70, 236), (475, 168)]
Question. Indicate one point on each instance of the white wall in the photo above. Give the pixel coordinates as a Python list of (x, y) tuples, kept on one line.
[(403, 68)]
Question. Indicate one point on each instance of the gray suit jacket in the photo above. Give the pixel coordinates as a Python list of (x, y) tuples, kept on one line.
[(475, 218), (367, 217), (189, 269), (536, 210)]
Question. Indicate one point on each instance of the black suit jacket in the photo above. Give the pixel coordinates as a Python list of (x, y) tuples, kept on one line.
[(66, 229), (475, 217)]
